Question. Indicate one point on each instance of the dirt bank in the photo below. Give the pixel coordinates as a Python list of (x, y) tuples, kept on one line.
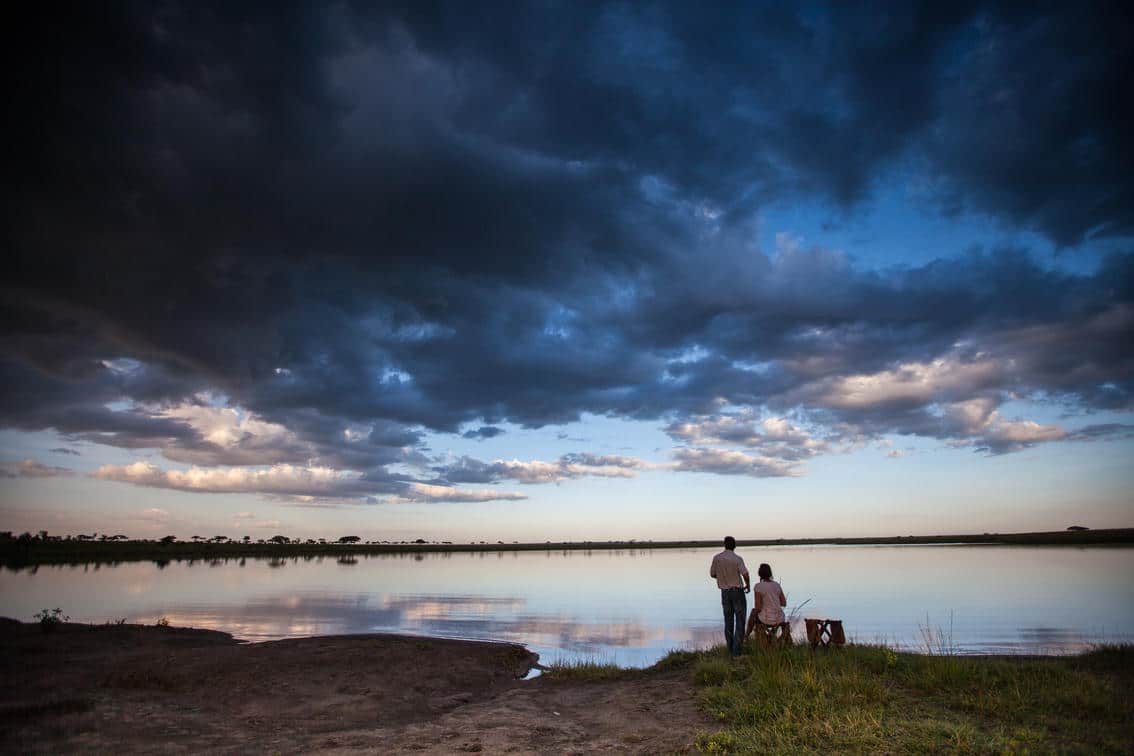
[(135, 689)]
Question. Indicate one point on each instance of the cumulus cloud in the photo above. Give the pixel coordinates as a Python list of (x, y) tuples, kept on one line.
[(288, 481), (913, 384), (30, 468), (427, 492), (731, 462), (231, 436), (771, 436), (280, 479), (154, 514), (469, 470)]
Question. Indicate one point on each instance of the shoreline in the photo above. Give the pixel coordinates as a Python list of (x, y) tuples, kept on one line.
[(146, 689), (17, 553)]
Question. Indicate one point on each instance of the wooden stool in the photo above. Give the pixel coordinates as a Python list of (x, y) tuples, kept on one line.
[(825, 632), (773, 635)]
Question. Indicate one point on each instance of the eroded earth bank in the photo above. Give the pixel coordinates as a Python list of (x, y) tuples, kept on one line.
[(135, 689)]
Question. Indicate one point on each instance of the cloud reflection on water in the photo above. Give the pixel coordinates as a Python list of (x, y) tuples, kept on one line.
[(450, 616), (575, 605)]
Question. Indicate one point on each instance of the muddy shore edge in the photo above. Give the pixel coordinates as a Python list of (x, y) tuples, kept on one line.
[(148, 689)]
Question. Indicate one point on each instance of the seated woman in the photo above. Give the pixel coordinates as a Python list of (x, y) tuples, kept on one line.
[(768, 601)]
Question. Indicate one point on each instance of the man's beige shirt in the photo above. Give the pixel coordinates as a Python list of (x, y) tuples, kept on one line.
[(728, 569)]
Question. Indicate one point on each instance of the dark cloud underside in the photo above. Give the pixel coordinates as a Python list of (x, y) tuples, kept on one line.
[(361, 223)]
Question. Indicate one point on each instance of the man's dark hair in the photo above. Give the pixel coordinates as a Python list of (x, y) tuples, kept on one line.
[(729, 542)]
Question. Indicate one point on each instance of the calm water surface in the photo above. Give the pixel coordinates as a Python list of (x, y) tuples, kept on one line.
[(628, 607)]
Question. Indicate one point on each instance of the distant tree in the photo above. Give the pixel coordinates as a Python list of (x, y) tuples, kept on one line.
[(279, 539), (246, 539), (349, 539), (43, 535), (219, 539), (197, 539), (1078, 528), (168, 539)]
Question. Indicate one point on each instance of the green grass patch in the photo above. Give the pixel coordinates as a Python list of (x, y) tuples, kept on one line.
[(874, 699), (589, 670), (592, 669)]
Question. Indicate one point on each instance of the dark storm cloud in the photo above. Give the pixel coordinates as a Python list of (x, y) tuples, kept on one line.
[(362, 224), (484, 431), (1043, 137)]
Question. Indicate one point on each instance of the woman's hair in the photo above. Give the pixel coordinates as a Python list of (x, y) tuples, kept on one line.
[(765, 572)]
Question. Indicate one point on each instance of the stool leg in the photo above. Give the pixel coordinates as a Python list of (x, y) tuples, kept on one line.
[(812, 632)]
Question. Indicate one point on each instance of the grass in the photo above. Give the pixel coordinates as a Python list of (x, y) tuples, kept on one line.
[(874, 699), (588, 671), (594, 669)]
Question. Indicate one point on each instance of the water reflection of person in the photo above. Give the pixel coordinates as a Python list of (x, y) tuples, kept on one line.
[(732, 578), (768, 601)]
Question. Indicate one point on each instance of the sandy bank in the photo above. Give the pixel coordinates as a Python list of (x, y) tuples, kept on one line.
[(136, 689)]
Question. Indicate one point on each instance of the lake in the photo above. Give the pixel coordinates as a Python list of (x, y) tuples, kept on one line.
[(628, 607)]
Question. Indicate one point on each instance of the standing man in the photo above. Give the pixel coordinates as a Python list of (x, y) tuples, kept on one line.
[(732, 579)]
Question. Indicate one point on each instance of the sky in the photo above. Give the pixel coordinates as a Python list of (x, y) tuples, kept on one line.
[(568, 271)]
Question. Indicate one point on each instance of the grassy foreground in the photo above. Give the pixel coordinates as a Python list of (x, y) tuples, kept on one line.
[(875, 700)]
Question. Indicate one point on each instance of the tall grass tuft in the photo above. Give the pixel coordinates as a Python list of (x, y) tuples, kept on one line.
[(938, 641)]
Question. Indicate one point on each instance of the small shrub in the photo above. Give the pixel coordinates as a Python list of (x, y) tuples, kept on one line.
[(712, 672), (718, 742), (49, 619), (162, 622), (677, 659)]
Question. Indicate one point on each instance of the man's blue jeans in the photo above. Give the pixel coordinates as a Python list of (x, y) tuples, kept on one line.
[(735, 607)]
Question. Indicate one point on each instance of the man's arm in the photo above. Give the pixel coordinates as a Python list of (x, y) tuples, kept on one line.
[(713, 568)]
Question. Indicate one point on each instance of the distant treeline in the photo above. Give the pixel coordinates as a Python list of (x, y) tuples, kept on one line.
[(26, 549)]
